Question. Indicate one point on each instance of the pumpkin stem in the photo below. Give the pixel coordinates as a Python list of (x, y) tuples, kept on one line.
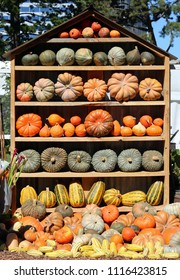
[(78, 158), (129, 160)]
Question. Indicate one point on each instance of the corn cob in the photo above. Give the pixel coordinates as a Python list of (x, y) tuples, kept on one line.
[(97, 254), (95, 243), (34, 252), (105, 244), (51, 243), (87, 253), (122, 250), (64, 253), (53, 254), (45, 249), (134, 247), (85, 248), (129, 254), (113, 248), (171, 255)]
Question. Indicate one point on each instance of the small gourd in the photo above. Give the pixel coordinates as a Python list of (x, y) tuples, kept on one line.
[(65, 210), (129, 160), (112, 196), (30, 59), (152, 160), (147, 58), (100, 58)]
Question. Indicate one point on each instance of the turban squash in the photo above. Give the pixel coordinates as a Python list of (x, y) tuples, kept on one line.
[(150, 89), (98, 123), (123, 87), (29, 125), (95, 89), (69, 87)]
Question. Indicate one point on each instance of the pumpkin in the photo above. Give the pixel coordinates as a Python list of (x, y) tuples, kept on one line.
[(30, 59), (117, 226), (52, 222), (80, 130), (83, 56), (110, 213), (44, 89), (104, 32), (55, 118), (98, 123), (65, 210), (47, 58), (168, 234), (73, 223), (132, 197), (146, 120), (128, 234), (126, 131), (147, 58), (172, 208), (116, 56), (33, 208), (26, 193), (47, 197), (126, 219), (65, 56), (154, 130), (92, 209), (146, 220), (152, 160), (88, 32), (28, 125), (83, 239), (64, 34), (116, 131), (76, 194), (123, 87), (104, 160), (31, 221), (64, 235), (61, 193), (175, 240), (44, 131), (114, 33), (33, 160), (24, 92), (155, 193), (158, 121), (142, 207), (129, 160), (96, 26), (95, 89), (107, 234), (133, 57), (150, 89), (129, 121), (75, 120), (96, 192), (30, 234), (79, 161), (93, 221), (165, 220), (144, 239), (53, 159), (139, 129), (69, 129), (56, 130), (69, 87), (74, 33), (112, 196), (100, 58)]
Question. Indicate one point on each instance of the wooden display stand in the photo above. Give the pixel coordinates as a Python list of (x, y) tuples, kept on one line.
[(124, 181)]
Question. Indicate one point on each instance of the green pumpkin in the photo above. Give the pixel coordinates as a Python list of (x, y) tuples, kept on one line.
[(129, 160), (100, 58), (116, 56), (83, 56), (47, 58), (30, 59), (65, 56)]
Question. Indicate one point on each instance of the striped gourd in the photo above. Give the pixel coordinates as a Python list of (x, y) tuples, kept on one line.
[(96, 192), (27, 192), (112, 196), (155, 193), (62, 196), (76, 195), (130, 198), (47, 197)]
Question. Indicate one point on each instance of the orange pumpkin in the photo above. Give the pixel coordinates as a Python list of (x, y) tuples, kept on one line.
[(96, 26), (80, 130), (146, 120), (44, 131), (168, 233), (29, 125), (64, 34), (30, 221), (143, 239), (154, 130), (145, 221), (110, 213), (116, 238), (95, 89), (150, 89), (30, 234), (116, 131), (73, 223), (165, 220), (128, 234), (126, 131), (74, 33), (56, 130), (54, 119), (158, 121), (129, 121), (115, 33), (69, 129), (75, 120), (64, 235), (65, 246), (126, 219), (24, 92)]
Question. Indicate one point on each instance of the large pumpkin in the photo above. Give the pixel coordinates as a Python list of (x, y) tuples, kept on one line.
[(28, 125), (150, 89), (44, 89), (98, 123), (33, 208), (95, 89), (69, 87), (123, 87)]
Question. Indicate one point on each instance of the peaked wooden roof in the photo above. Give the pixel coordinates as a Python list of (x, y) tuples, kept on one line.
[(90, 12)]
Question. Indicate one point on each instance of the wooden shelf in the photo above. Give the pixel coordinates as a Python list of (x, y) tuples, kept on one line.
[(92, 40)]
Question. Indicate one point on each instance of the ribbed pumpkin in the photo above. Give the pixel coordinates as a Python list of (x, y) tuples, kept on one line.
[(123, 87), (76, 194), (24, 92), (116, 56), (44, 89), (83, 56), (150, 89), (112, 196), (30, 59), (155, 193), (95, 89), (33, 160), (130, 198), (47, 58), (29, 125), (53, 159), (69, 87), (100, 58), (79, 161), (47, 197), (33, 208), (26, 193), (96, 192), (98, 123), (152, 160), (61, 193), (65, 56), (129, 160), (104, 160)]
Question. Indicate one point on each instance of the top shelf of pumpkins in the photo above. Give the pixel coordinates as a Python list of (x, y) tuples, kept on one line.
[(66, 56)]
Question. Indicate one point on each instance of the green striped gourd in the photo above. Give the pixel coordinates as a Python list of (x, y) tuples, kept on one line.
[(155, 193), (76, 195), (112, 196), (61, 193), (96, 192), (47, 197), (27, 192), (130, 198)]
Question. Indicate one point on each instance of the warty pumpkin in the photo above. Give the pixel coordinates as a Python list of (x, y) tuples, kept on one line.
[(47, 197), (104, 160), (98, 123), (129, 160), (69, 87), (150, 89), (29, 125), (53, 159), (123, 87), (24, 92), (79, 161), (44, 89), (95, 89), (33, 160), (26, 193)]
